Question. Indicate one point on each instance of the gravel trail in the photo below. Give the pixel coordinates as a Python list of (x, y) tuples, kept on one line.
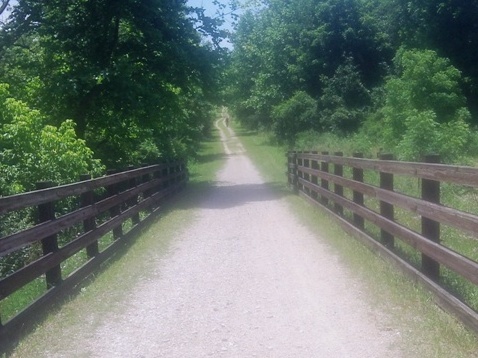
[(246, 279)]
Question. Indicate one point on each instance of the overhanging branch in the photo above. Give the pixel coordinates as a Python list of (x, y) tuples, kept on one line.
[(3, 5)]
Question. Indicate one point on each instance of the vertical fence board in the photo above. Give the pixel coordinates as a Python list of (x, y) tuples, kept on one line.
[(300, 174), (431, 228), (46, 212), (358, 198), (431, 175), (45, 201), (89, 224), (386, 209), (324, 166), (338, 189), (306, 176), (315, 166), (113, 190), (132, 183)]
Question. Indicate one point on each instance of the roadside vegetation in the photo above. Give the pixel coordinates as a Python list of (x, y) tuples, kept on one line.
[(89, 86), (372, 76)]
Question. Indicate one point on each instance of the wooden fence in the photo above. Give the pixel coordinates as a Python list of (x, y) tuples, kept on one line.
[(367, 210), (93, 218)]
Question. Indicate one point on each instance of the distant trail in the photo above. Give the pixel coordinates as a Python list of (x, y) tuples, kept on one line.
[(228, 139), (245, 279)]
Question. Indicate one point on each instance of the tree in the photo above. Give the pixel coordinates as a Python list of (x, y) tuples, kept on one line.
[(305, 46), (3, 5), (449, 27), (425, 109), (294, 115), (33, 151), (119, 69), (345, 100)]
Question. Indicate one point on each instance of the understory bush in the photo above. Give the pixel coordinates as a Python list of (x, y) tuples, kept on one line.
[(293, 115)]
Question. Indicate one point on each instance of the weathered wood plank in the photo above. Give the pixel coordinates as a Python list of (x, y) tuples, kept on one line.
[(445, 256), (18, 240), (15, 202), (446, 215), (12, 283), (440, 172), (442, 297)]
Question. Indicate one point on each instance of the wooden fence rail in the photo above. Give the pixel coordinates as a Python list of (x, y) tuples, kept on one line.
[(310, 175), (119, 204)]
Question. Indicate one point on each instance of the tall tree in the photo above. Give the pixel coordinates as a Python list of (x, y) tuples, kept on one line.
[(451, 28), (301, 46), (123, 70)]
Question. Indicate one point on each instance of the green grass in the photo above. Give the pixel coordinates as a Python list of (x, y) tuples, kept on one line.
[(426, 330)]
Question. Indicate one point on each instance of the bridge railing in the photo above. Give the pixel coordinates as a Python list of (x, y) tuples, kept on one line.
[(398, 209), (57, 236)]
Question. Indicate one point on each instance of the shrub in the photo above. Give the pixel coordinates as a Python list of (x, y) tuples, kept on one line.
[(31, 150), (297, 114), (424, 108)]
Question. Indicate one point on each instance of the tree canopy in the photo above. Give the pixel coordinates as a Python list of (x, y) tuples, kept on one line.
[(124, 72), (131, 81), (357, 65)]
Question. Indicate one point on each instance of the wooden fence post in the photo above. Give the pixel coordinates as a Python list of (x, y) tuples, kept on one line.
[(306, 175), (357, 175), (431, 228), (295, 181), (386, 209), (300, 174), (338, 189), (133, 182), (113, 190), (147, 193), (324, 167), (315, 166), (167, 171), (89, 224), (46, 212), (289, 169), (157, 175)]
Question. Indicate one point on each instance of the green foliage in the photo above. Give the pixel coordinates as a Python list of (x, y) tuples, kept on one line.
[(125, 72), (448, 26), (32, 151), (424, 135), (320, 48), (425, 109), (344, 99), (291, 116)]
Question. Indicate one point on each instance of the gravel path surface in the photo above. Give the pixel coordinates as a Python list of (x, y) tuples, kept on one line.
[(246, 279)]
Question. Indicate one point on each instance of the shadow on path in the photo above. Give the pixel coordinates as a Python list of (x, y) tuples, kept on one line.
[(221, 195)]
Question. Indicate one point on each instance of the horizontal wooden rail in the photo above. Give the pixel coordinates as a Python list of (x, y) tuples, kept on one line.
[(456, 218), (100, 206), (310, 175), (34, 198), (440, 172)]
